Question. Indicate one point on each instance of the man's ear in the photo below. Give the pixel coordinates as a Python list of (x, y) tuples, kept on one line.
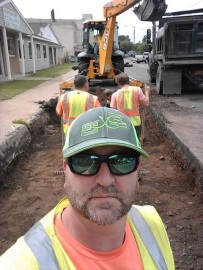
[(64, 165)]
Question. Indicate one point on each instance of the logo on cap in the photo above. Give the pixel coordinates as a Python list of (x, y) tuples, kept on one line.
[(113, 121)]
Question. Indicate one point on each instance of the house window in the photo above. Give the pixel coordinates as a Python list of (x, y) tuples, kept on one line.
[(38, 49), (11, 46), (30, 50), (19, 50), (45, 51)]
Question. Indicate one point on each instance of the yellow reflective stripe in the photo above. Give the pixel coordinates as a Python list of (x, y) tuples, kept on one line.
[(90, 101), (65, 105), (156, 226), (148, 238)]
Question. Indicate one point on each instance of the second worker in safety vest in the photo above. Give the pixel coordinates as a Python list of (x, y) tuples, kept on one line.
[(71, 104), (128, 98)]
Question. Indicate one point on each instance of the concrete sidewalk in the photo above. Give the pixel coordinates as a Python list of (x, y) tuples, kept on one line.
[(27, 104)]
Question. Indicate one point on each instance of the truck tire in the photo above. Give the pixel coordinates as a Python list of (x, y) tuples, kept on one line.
[(159, 79), (118, 64), (83, 65)]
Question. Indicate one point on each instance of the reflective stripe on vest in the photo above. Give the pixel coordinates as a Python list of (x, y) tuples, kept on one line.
[(128, 101), (148, 238), (40, 244), (66, 108)]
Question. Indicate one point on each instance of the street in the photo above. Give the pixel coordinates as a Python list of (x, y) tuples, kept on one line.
[(138, 71)]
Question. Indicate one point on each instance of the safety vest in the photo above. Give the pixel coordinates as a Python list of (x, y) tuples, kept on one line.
[(127, 101), (74, 103), (40, 249)]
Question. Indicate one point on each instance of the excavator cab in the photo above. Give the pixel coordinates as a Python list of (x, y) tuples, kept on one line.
[(150, 10), (93, 31)]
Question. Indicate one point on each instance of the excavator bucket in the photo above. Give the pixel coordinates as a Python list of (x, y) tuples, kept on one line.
[(150, 10)]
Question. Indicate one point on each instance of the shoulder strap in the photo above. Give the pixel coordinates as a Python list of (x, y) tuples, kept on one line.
[(40, 244), (148, 238)]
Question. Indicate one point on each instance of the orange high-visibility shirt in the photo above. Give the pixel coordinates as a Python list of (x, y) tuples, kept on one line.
[(125, 257)]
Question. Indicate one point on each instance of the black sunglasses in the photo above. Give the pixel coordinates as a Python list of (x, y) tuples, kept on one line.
[(89, 164)]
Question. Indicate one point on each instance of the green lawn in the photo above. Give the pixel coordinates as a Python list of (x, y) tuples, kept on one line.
[(13, 88), (53, 71)]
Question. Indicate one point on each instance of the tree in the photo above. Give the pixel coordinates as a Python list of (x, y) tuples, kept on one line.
[(125, 44)]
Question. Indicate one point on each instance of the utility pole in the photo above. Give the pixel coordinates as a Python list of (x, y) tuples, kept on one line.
[(133, 34)]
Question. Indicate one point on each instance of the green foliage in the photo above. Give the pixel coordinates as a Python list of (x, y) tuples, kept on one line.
[(21, 122), (53, 71), (126, 45), (144, 40), (13, 88), (66, 57), (141, 47)]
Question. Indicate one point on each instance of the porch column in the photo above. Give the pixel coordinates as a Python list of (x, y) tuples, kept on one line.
[(8, 67), (53, 56), (60, 54), (33, 54), (22, 53)]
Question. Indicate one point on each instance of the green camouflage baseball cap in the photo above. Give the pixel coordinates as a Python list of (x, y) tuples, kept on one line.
[(101, 126)]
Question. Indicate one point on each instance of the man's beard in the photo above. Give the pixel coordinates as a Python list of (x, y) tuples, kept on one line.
[(108, 214)]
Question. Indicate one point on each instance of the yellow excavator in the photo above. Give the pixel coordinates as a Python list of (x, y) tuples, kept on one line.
[(107, 60)]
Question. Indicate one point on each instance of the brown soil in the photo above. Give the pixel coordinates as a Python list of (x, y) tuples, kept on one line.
[(36, 185)]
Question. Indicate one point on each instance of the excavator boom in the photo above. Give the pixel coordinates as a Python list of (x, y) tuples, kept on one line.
[(117, 7), (109, 60)]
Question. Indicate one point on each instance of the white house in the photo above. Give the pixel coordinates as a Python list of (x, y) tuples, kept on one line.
[(22, 51)]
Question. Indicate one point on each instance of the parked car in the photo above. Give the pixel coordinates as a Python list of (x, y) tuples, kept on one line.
[(139, 59), (146, 57)]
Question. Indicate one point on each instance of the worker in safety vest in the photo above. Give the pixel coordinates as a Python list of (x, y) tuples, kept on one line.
[(128, 98), (73, 103), (97, 226)]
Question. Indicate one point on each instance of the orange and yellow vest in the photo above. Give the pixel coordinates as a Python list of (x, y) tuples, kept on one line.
[(127, 101), (40, 249), (74, 103)]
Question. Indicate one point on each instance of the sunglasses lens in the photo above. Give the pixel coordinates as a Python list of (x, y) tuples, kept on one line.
[(118, 164), (85, 164), (121, 165)]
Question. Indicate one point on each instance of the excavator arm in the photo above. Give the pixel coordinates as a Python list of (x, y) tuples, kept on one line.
[(149, 10), (116, 7), (102, 66)]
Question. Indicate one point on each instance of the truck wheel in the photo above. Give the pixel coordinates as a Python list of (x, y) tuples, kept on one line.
[(159, 81), (118, 64), (83, 65)]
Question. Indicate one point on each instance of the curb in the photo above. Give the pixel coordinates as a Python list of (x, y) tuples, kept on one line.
[(186, 159), (17, 142)]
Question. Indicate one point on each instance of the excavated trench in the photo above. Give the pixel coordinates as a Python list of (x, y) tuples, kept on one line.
[(35, 184)]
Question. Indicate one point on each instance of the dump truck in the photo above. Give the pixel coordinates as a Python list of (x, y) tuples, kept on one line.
[(176, 59), (109, 60)]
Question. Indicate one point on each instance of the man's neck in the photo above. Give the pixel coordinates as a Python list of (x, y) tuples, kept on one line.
[(94, 236)]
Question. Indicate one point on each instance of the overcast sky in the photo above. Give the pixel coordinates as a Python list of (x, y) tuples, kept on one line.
[(67, 9)]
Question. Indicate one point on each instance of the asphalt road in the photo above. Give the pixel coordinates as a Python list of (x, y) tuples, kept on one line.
[(138, 71)]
